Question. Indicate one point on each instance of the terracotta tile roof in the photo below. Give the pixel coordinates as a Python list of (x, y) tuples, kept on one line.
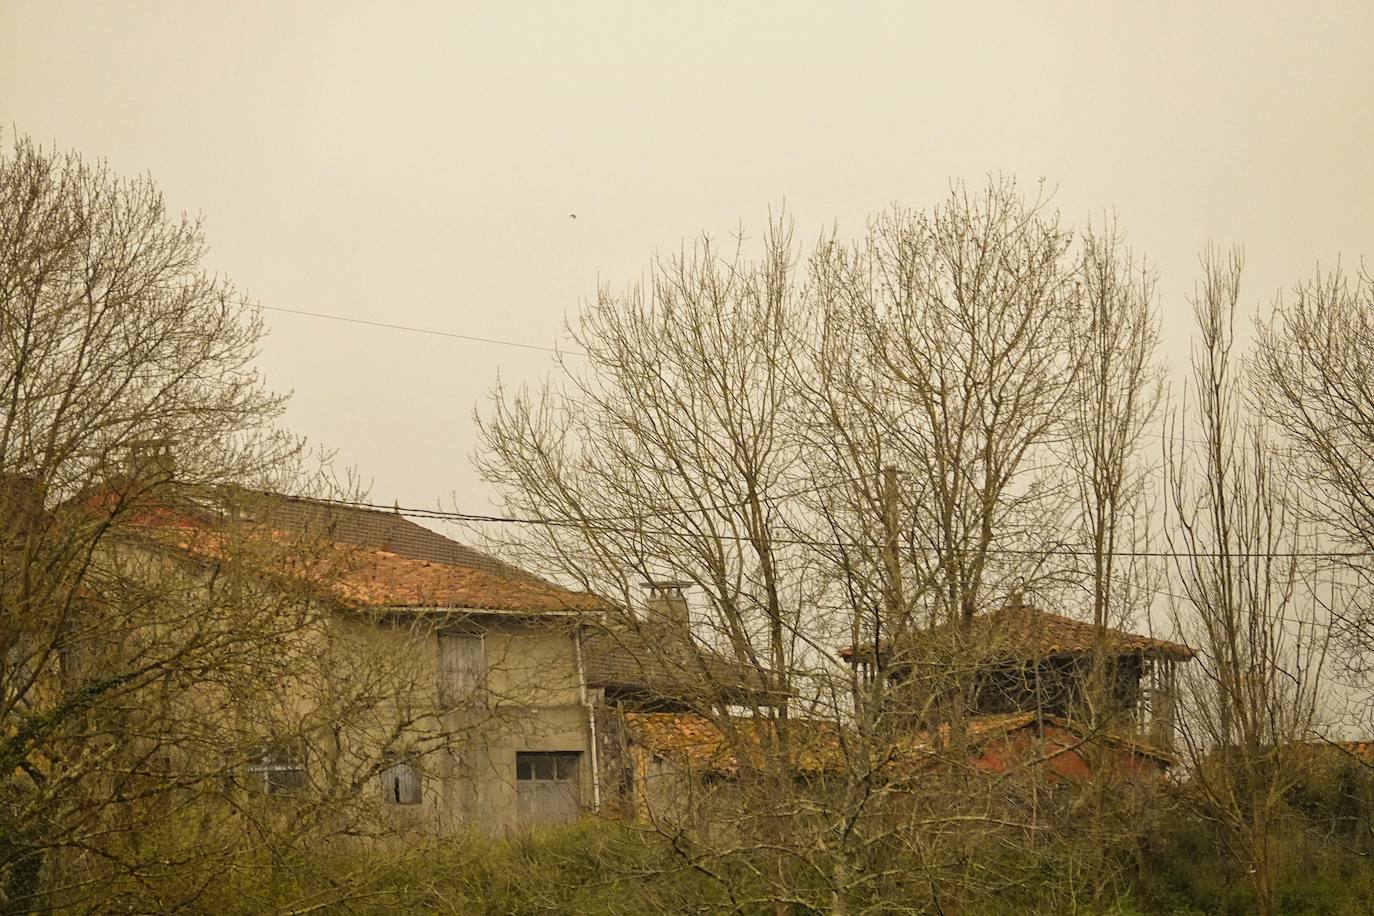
[(399, 564), (388, 531), (986, 727), (357, 573), (683, 737), (700, 744), (1362, 749), (1029, 633), (379, 578), (978, 727)]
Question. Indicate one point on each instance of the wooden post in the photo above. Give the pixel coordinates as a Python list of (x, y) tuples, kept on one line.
[(891, 556)]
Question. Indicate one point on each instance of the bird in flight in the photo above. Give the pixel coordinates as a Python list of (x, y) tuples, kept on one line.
[(572, 216)]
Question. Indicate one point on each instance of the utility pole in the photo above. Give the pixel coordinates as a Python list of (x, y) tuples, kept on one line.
[(894, 599)]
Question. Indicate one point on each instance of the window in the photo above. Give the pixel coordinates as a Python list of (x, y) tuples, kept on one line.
[(547, 787), (401, 784), (280, 767), (462, 668), (551, 765)]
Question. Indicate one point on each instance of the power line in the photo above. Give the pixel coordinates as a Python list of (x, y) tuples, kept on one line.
[(599, 525), (443, 515), (709, 507), (437, 514), (416, 330), (496, 341), (1337, 620)]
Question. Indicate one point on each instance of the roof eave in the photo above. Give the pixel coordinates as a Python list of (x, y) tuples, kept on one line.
[(464, 611)]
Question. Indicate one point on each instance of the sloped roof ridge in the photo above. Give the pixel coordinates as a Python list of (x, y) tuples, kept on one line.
[(1046, 633), (1078, 635), (377, 563), (621, 655), (395, 533), (385, 579)]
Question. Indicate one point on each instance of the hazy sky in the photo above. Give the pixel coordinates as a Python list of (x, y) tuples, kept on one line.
[(417, 163)]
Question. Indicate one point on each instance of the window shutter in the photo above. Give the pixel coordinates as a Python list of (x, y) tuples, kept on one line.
[(401, 784), (462, 668), (408, 785)]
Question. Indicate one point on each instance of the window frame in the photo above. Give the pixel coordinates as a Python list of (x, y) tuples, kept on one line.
[(269, 760), (548, 788), (556, 766)]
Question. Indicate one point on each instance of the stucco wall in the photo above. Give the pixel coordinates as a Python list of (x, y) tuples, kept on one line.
[(533, 701), (465, 755)]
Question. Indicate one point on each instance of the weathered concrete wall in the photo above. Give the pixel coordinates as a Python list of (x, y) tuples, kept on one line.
[(533, 701), (464, 753)]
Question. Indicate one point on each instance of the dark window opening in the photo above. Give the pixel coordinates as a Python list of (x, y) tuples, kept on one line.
[(551, 765), (280, 766)]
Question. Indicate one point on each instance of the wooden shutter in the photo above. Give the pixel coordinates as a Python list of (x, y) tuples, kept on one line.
[(401, 784), (462, 668)]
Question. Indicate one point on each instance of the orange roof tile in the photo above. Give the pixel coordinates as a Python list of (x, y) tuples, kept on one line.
[(700, 744), (381, 579), (363, 576), (381, 530), (1361, 749)]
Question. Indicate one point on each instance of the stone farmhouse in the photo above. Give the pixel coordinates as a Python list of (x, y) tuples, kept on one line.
[(538, 687)]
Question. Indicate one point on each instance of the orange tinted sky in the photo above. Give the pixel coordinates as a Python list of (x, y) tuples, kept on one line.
[(417, 163)]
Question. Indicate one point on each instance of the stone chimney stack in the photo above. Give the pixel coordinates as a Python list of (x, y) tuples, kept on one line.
[(152, 459), (21, 505), (666, 606)]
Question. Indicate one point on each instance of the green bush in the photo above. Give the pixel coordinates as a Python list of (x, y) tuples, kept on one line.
[(589, 868), (1184, 870), (1176, 864)]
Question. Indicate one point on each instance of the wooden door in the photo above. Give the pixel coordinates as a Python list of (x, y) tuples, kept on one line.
[(547, 787)]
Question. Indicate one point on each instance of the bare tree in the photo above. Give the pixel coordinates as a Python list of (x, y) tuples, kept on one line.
[(1117, 398), (158, 636), (113, 340), (661, 452), (663, 456), (842, 455), (1244, 606), (1310, 369), (963, 325)]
